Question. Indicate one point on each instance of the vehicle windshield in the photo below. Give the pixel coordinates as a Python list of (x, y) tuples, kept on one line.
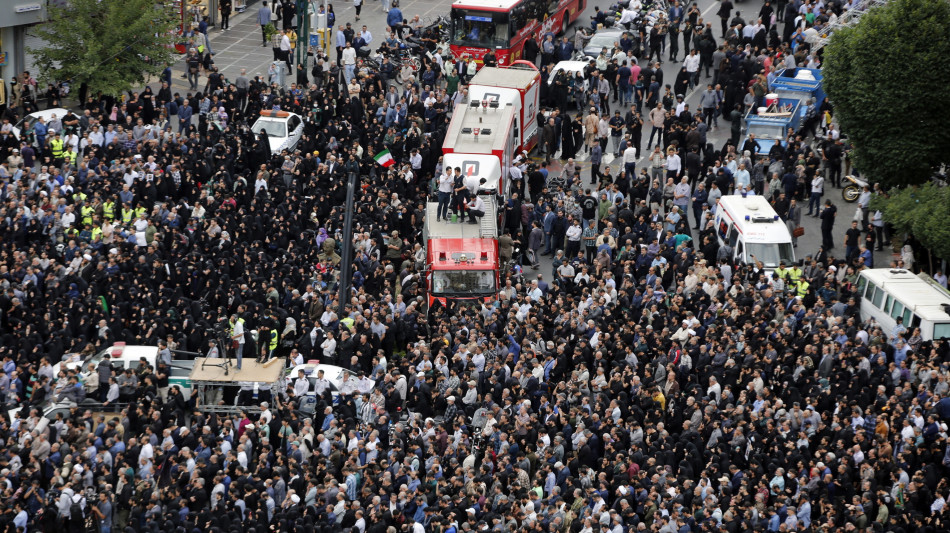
[(274, 128), (771, 253), (479, 28), (463, 282)]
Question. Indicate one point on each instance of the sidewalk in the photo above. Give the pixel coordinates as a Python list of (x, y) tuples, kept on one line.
[(238, 47)]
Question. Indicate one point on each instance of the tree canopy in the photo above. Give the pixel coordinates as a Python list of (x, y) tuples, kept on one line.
[(922, 212), (885, 77), (109, 45)]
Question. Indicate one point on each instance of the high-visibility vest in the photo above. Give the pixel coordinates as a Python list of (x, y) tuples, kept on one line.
[(56, 147), (794, 273), (108, 210), (127, 215), (96, 231), (86, 213), (139, 211), (782, 272), (273, 340), (802, 288)]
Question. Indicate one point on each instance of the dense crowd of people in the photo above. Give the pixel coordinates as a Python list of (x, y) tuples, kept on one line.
[(646, 383)]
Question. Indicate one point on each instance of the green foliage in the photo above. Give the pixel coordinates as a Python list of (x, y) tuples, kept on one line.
[(269, 31), (885, 76), (109, 45), (922, 212)]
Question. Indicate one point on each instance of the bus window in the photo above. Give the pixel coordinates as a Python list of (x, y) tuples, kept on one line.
[(887, 304), (907, 315), (723, 230), (941, 331), (914, 323), (897, 310), (534, 9), (878, 297), (518, 19), (740, 253), (862, 284)]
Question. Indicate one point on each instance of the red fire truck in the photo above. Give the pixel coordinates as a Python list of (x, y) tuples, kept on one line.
[(461, 258)]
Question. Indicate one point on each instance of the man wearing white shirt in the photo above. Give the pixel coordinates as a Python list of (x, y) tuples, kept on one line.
[(630, 160), (476, 209), (301, 384), (321, 384), (517, 179), (817, 189), (692, 67), (445, 194), (673, 164), (329, 346)]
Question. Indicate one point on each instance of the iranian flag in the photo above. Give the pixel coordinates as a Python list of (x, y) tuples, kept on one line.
[(385, 158)]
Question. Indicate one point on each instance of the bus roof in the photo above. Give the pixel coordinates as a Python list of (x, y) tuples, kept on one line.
[(919, 293), (491, 5)]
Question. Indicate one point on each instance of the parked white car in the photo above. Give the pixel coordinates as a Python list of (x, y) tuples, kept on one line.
[(283, 128)]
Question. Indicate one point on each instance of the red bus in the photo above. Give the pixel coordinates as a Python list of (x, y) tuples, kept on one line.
[(505, 25)]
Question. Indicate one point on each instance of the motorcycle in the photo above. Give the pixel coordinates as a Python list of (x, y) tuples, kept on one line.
[(401, 56), (852, 190)]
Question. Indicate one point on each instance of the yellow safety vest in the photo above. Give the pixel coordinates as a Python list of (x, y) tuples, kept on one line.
[(56, 147), (782, 272), (273, 339), (96, 232), (139, 211), (127, 215), (87, 213), (794, 273), (108, 210), (802, 288)]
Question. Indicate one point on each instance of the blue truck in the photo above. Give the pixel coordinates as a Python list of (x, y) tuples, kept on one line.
[(793, 87), (771, 125)]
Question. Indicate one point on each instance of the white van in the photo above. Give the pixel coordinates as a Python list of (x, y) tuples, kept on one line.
[(754, 231), (886, 294), (120, 355)]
